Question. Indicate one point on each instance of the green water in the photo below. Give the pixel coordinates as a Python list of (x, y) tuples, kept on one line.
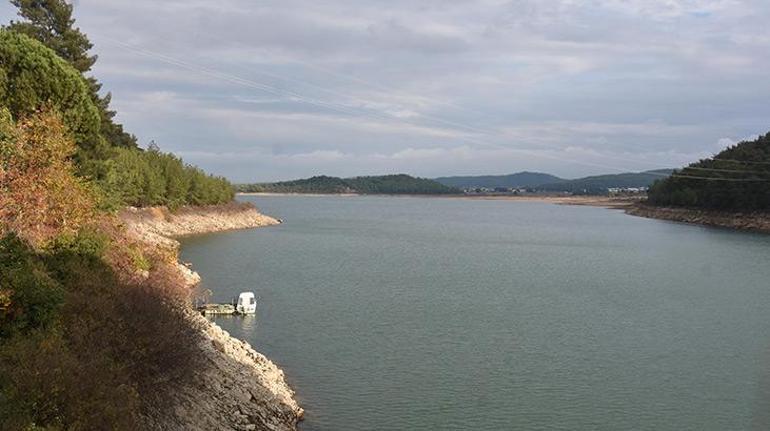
[(444, 314)]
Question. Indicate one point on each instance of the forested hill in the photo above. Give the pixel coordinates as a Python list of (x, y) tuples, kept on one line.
[(382, 184), (736, 179), (540, 182), (517, 180), (599, 184)]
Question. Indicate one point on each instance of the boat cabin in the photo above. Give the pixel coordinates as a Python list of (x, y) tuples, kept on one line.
[(247, 303)]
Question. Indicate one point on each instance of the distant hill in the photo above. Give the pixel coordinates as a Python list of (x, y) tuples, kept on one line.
[(736, 179), (537, 181), (521, 179), (599, 184), (383, 184)]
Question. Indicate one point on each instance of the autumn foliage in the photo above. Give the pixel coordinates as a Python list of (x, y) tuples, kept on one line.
[(92, 321), (40, 197)]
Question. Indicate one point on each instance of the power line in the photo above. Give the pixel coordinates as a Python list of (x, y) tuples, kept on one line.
[(352, 78), (741, 180), (394, 91), (386, 116), (741, 161), (737, 171), (227, 77), (267, 88)]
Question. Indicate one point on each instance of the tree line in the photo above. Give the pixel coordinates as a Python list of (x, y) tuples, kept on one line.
[(92, 321), (736, 179), (44, 60), (380, 184)]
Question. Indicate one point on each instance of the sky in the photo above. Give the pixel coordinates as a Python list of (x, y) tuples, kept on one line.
[(276, 90)]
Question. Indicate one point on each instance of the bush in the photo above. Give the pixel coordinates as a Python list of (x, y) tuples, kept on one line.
[(33, 298), (139, 326), (40, 197), (90, 350), (44, 384)]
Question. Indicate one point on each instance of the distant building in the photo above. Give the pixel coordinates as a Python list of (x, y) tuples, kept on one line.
[(617, 191)]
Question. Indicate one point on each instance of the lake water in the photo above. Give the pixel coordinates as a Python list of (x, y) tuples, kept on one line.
[(391, 313)]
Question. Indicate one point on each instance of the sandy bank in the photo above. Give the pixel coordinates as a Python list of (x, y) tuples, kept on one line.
[(239, 388)]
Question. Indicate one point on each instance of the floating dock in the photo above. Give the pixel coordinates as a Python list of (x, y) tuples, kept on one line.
[(217, 309), (245, 304)]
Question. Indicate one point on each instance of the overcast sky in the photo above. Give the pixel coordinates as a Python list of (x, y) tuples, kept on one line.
[(272, 90)]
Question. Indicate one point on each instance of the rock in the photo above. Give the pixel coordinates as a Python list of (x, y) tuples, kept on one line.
[(239, 388), (157, 225), (218, 345), (758, 222)]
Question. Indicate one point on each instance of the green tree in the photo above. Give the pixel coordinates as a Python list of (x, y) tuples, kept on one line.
[(736, 179), (32, 77), (172, 171), (51, 23), (34, 297)]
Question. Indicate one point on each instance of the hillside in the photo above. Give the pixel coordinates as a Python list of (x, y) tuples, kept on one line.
[(736, 179), (517, 180), (599, 184), (383, 184), (96, 324)]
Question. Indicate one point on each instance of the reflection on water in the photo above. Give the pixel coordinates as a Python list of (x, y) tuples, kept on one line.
[(245, 323)]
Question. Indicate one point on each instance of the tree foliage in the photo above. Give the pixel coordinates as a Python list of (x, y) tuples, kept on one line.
[(34, 298), (51, 23), (383, 184), (33, 77), (86, 334), (92, 322), (517, 180), (600, 184), (40, 196), (736, 179), (82, 348), (149, 178)]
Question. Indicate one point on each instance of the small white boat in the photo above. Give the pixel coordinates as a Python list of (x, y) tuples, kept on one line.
[(247, 303)]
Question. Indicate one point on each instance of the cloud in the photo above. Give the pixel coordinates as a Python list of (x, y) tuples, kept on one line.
[(290, 88)]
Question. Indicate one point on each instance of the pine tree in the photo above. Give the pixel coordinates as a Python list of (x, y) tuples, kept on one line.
[(51, 22)]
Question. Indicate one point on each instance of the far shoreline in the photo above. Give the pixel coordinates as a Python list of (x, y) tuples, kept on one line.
[(758, 222), (599, 201)]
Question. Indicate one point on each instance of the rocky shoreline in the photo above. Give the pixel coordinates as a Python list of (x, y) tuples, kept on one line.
[(159, 225), (746, 221), (754, 222), (239, 388)]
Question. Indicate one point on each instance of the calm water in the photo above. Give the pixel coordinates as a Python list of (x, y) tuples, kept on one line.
[(442, 314)]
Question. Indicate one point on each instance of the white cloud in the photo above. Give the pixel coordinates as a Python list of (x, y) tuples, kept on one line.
[(354, 87)]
